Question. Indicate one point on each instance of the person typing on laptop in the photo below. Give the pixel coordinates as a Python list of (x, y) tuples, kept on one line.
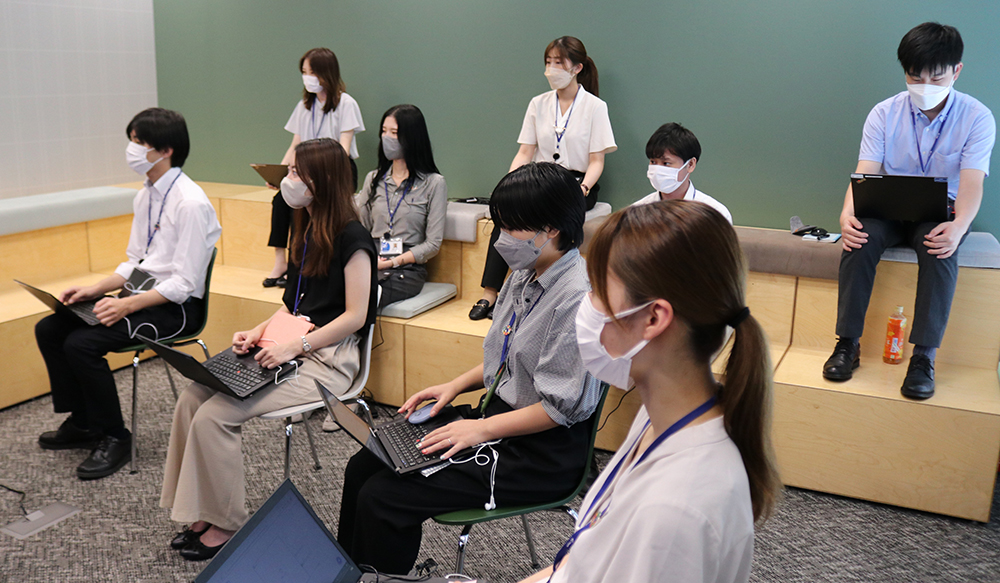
[(542, 394), (331, 284), (928, 130), (173, 233)]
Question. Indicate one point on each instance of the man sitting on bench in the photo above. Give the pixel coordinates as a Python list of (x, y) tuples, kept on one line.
[(927, 130), (174, 230)]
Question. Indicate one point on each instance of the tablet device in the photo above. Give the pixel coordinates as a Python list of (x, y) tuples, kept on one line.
[(271, 173)]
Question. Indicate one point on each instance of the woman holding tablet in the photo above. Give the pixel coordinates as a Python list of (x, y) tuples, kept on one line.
[(679, 500), (569, 126), (332, 287), (531, 432), (403, 204), (325, 111)]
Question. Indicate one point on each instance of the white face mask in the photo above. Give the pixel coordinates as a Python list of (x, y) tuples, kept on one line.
[(558, 77), (664, 178), (135, 157), (926, 96), (312, 83), (519, 253), (589, 325), (295, 193)]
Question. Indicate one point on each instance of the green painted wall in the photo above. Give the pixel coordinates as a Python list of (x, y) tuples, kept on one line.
[(776, 90)]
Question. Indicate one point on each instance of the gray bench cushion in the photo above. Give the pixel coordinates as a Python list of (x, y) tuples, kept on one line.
[(774, 251), (41, 211), (433, 294), (461, 220)]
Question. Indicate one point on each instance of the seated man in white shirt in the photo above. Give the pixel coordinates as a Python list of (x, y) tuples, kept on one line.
[(673, 153), (174, 230)]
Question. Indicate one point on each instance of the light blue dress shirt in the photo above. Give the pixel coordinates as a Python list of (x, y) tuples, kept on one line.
[(901, 138)]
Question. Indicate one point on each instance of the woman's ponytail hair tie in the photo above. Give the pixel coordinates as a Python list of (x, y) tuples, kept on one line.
[(738, 318)]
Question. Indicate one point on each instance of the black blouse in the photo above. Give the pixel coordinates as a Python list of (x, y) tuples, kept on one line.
[(323, 298)]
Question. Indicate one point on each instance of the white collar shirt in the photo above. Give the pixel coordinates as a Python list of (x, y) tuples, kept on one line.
[(691, 194), (588, 130), (179, 252)]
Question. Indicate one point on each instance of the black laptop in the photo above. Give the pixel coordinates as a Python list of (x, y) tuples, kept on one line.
[(83, 311), (237, 375), (395, 442), (919, 199)]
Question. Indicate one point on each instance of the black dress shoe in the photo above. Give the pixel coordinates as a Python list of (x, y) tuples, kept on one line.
[(185, 538), (480, 310), (69, 436), (919, 381), (845, 358), (107, 458), (279, 281), (197, 551)]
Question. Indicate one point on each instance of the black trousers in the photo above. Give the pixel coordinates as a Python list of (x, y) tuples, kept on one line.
[(81, 381), (381, 512), (401, 283), (936, 279), (281, 215)]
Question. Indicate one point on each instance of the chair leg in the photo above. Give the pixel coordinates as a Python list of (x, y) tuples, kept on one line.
[(312, 444), (203, 348), (366, 411), (288, 447), (463, 540), (173, 387), (531, 542), (572, 513), (135, 411)]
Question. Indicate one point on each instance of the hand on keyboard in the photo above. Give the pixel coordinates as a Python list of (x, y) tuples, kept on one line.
[(272, 356), (455, 436)]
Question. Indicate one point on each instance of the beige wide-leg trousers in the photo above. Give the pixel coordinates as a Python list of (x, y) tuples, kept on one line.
[(203, 478)]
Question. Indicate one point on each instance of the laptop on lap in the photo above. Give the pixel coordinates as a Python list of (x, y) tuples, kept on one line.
[(919, 199), (83, 311)]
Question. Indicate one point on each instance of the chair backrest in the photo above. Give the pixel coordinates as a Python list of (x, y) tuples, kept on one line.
[(204, 304), (365, 359), (595, 421)]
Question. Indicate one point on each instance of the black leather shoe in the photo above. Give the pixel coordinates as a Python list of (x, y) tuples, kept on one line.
[(107, 458), (919, 381), (480, 310), (197, 551), (845, 358), (69, 436), (185, 538), (279, 281)]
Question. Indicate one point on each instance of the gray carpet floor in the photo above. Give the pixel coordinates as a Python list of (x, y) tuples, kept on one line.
[(122, 534)]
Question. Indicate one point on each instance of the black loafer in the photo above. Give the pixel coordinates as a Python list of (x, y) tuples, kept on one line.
[(845, 358), (69, 436), (279, 281), (197, 551), (480, 310), (107, 458), (919, 381), (185, 538)]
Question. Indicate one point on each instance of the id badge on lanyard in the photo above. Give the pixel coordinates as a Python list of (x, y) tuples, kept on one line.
[(390, 246)]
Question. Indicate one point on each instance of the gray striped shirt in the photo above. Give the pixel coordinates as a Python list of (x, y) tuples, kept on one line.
[(543, 363)]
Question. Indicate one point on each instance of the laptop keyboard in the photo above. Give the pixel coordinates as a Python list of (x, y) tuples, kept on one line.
[(85, 310), (404, 438), (241, 378)]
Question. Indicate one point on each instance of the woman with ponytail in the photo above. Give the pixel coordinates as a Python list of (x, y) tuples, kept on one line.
[(679, 500), (569, 126)]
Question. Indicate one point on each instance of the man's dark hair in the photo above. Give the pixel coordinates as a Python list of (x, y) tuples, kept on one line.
[(538, 196), (930, 47), (676, 139), (161, 129)]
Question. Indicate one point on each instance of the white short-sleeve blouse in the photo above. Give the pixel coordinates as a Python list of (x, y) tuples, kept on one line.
[(588, 130), (312, 123)]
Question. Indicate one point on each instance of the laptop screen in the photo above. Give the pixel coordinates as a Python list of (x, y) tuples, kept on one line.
[(284, 541)]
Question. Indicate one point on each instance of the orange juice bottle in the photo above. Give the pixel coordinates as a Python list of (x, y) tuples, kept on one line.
[(894, 336)]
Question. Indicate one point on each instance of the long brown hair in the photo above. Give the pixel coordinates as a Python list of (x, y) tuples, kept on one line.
[(323, 165), (688, 254), (570, 47), (326, 67)]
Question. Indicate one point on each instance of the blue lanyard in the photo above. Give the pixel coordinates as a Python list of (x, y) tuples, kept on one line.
[(150, 229), (507, 332), (392, 212), (569, 114), (312, 126), (298, 286), (920, 155), (680, 424)]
